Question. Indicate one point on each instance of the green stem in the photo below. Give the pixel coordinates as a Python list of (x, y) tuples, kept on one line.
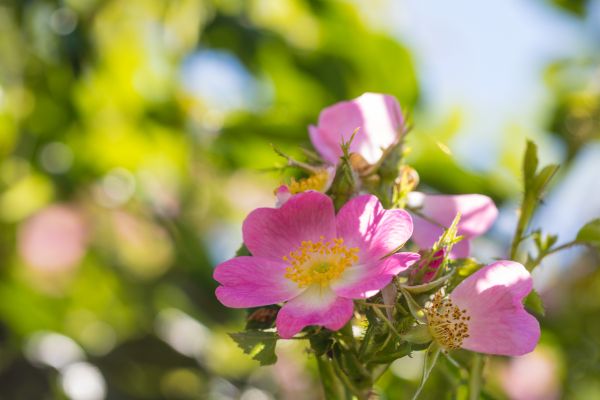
[(524, 217), (331, 385), (563, 247), (476, 378), (364, 345), (387, 322), (347, 337), (431, 356), (349, 388)]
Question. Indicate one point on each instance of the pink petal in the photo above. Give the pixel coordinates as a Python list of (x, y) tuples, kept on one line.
[(282, 195), (493, 298), (364, 223), (362, 281), (316, 306), (478, 213), (253, 282), (378, 118), (275, 232), (461, 249), (329, 151)]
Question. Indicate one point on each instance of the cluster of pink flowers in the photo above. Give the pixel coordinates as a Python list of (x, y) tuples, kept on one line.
[(316, 262)]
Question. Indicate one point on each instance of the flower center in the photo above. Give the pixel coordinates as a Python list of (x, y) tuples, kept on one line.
[(316, 182), (448, 324), (319, 262)]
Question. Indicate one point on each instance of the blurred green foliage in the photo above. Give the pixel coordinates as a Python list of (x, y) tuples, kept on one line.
[(122, 180)]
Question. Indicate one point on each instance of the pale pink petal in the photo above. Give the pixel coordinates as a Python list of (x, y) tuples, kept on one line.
[(364, 223), (379, 121), (275, 232), (316, 306), (329, 151), (461, 249), (253, 282), (426, 234), (478, 213), (362, 281), (493, 298)]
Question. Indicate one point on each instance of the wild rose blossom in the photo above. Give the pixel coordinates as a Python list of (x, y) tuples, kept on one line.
[(379, 121), (315, 261), (477, 214), (485, 312), (319, 181)]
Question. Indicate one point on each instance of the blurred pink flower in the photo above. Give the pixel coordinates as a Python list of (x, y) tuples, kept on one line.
[(317, 262), (485, 312), (378, 118), (478, 213), (54, 239), (534, 376)]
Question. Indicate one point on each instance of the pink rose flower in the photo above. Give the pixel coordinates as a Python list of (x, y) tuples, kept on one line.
[(378, 118), (485, 312), (478, 213), (314, 261)]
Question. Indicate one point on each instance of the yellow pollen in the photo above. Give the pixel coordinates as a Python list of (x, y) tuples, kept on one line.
[(316, 182), (319, 262), (448, 324)]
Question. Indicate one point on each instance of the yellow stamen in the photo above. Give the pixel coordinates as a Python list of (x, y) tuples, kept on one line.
[(448, 324), (316, 182), (319, 262)]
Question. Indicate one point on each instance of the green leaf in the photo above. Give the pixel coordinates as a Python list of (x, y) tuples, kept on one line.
[(534, 303), (590, 233), (534, 184), (542, 179), (259, 345), (530, 163)]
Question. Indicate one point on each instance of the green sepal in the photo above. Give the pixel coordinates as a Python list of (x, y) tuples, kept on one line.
[(534, 302), (321, 342)]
